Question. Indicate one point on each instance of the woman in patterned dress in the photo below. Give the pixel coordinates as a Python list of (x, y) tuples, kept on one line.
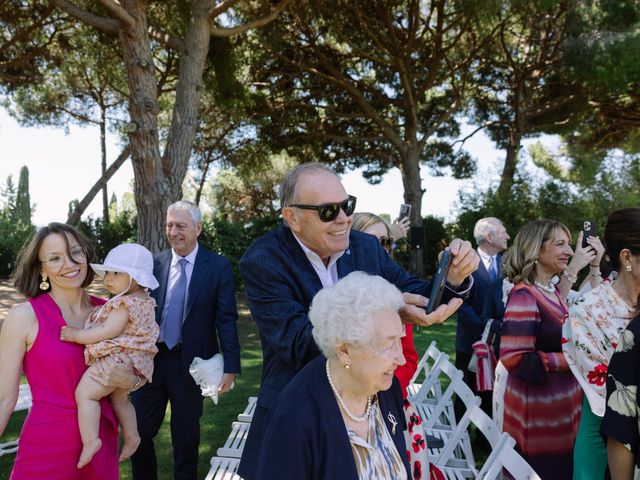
[(596, 322), (620, 424), (541, 398)]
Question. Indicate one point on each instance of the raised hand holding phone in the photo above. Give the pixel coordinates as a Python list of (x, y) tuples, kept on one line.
[(439, 280), (589, 229)]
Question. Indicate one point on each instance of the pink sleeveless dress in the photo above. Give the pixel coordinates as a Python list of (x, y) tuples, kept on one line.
[(50, 442)]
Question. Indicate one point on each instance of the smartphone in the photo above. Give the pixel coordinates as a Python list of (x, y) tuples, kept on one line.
[(589, 229), (439, 281), (405, 211)]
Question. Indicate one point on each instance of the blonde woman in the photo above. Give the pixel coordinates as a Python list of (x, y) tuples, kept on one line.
[(541, 399)]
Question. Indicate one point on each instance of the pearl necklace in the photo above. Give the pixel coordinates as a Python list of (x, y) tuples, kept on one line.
[(341, 402), (549, 287)]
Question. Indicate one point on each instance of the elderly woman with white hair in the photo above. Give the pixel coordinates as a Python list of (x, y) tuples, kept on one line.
[(342, 415)]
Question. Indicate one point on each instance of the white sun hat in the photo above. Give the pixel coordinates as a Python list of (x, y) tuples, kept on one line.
[(129, 258)]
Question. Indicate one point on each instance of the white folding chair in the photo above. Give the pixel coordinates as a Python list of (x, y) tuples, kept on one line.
[(247, 415), (424, 370), (223, 468), (24, 403), (235, 442), (438, 413), (507, 458), (463, 466)]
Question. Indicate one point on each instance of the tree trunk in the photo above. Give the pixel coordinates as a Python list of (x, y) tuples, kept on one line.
[(158, 180), (103, 151), (516, 130), (74, 217), (413, 193)]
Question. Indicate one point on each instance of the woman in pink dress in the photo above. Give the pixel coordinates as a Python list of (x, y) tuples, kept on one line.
[(52, 272)]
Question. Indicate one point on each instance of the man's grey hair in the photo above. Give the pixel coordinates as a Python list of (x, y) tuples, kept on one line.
[(192, 208), (484, 227), (343, 312), (290, 181)]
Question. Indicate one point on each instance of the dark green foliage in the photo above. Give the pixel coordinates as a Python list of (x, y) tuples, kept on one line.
[(23, 199), (15, 220), (105, 236), (437, 238), (616, 185), (231, 239)]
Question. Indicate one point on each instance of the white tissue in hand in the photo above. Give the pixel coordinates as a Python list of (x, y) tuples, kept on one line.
[(208, 375)]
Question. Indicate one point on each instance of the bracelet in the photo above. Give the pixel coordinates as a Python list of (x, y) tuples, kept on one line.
[(595, 266), (571, 277), (595, 274), (138, 383)]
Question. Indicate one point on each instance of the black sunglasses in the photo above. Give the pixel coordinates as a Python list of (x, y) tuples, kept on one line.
[(328, 212)]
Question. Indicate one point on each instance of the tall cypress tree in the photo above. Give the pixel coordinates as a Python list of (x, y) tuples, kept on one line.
[(23, 199)]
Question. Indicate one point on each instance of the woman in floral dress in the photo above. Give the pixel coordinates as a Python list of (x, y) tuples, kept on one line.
[(596, 322)]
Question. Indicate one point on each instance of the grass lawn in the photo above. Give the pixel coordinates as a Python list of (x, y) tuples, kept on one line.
[(216, 420)]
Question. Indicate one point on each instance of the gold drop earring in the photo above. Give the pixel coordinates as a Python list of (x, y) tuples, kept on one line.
[(44, 285)]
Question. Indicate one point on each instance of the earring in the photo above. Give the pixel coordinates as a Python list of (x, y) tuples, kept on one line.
[(347, 365), (628, 268), (44, 285)]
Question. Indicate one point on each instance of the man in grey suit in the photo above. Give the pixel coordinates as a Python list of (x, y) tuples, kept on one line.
[(197, 314)]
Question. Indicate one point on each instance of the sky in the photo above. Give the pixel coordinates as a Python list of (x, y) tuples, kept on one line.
[(63, 167)]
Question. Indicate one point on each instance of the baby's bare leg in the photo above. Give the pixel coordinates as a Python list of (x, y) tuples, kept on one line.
[(88, 395), (126, 414)]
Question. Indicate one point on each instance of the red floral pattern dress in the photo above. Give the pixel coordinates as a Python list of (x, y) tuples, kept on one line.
[(589, 338), (417, 448)]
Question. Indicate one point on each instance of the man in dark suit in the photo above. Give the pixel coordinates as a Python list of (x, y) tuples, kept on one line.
[(491, 238), (285, 268), (197, 313)]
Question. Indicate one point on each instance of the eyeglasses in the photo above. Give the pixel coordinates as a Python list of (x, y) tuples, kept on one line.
[(387, 243), (328, 212), (57, 259)]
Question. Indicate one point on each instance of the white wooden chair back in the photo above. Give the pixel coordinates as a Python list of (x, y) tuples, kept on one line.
[(428, 371), (505, 457)]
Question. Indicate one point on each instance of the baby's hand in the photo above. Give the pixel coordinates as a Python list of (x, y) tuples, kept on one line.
[(69, 334)]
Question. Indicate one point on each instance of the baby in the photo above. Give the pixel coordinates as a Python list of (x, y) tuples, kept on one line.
[(125, 325)]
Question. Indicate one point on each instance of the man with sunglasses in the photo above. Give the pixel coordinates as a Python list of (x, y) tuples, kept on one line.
[(284, 269)]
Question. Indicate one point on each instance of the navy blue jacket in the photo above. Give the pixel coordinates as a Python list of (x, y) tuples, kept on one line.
[(280, 284), (494, 310), (307, 438), (211, 314), (470, 324)]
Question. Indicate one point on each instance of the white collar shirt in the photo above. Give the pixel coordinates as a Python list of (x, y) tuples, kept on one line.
[(486, 259), (328, 274)]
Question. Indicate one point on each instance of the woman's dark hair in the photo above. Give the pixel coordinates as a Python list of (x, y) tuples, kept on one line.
[(26, 277), (622, 231)]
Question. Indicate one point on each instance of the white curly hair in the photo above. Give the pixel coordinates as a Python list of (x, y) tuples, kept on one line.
[(343, 312)]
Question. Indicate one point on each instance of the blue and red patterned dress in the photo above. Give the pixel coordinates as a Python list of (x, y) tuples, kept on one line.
[(542, 400)]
